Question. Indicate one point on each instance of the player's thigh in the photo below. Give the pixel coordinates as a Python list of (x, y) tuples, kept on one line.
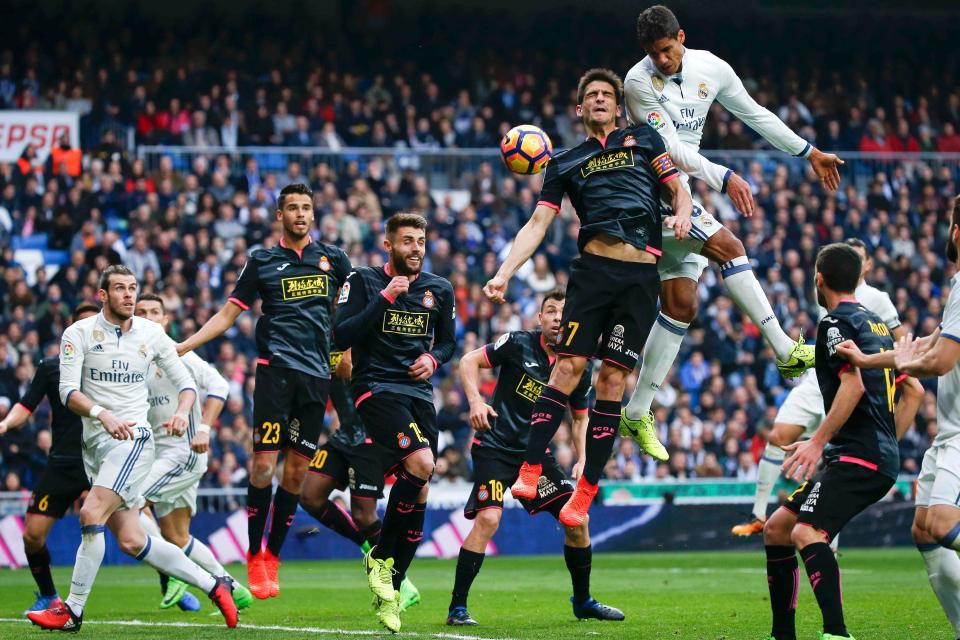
[(178, 494), (162, 472), (592, 293), (627, 328), (923, 490), (126, 528), (553, 490), (124, 466), (272, 405), (328, 470), (493, 473), (59, 487), (175, 526), (784, 433), (777, 528), (391, 423), (306, 415), (838, 493), (681, 258), (368, 465)]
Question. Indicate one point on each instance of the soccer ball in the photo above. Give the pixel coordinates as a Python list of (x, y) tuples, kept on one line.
[(526, 149)]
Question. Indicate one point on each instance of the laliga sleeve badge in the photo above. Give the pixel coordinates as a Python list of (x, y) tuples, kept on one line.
[(403, 440), (428, 300), (324, 264)]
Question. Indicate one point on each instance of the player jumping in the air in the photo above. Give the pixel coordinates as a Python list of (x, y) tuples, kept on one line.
[(802, 412), (672, 90), (936, 524), (861, 464), (399, 321), (297, 283), (171, 486), (350, 458), (103, 378), (63, 480), (615, 180), (525, 359)]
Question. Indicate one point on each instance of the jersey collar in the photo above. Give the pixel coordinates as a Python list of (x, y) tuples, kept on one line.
[(850, 300), (387, 269), (546, 350), (298, 252)]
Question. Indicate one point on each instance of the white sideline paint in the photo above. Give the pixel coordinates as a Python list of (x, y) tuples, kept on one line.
[(270, 627)]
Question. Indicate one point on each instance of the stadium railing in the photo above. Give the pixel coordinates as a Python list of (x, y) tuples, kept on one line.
[(453, 168)]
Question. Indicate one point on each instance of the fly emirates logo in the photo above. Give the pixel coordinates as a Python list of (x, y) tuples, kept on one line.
[(119, 373)]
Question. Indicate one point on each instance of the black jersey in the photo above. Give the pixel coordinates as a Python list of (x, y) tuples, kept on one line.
[(298, 290), (387, 336), (869, 437), (350, 433), (525, 368), (614, 185), (66, 426)]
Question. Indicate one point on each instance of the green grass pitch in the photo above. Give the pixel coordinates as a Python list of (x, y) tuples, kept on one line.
[(708, 596)]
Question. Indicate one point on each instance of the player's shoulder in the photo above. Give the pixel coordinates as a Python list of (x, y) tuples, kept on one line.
[(433, 279), (702, 60), (82, 327), (331, 250), (191, 359), (640, 73), (149, 329), (367, 273), (526, 338)]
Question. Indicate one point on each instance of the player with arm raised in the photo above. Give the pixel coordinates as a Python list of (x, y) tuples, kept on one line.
[(525, 359), (103, 378), (672, 90), (64, 479), (181, 461), (802, 412), (615, 180), (400, 323), (297, 282)]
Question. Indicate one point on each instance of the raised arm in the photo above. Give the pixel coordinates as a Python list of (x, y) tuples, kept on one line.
[(212, 328), (526, 242)]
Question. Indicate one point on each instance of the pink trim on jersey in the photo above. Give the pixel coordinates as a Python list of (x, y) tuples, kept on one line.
[(615, 363), (486, 356), (263, 361), (555, 207), (853, 300), (669, 178), (900, 378), (654, 251), (579, 411), (858, 461), (844, 369), (362, 398), (299, 251), (604, 413), (387, 296), (436, 365), (24, 407), (240, 303)]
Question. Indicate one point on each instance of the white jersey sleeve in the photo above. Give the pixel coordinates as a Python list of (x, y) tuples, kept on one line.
[(209, 381), (879, 302), (170, 363), (734, 96), (71, 362), (950, 327), (642, 105)]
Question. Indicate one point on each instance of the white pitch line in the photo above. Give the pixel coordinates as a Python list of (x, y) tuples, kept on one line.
[(271, 627)]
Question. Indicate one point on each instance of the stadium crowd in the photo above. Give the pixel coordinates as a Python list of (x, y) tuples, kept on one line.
[(185, 230)]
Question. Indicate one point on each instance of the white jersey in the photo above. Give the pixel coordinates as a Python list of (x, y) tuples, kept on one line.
[(948, 387), (677, 107), (110, 367), (876, 302), (163, 397)]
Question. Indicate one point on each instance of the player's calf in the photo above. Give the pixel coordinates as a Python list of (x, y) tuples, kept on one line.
[(942, 523)]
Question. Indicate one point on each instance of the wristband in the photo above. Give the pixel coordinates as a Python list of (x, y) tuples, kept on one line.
[(203, 428), (95, 411)]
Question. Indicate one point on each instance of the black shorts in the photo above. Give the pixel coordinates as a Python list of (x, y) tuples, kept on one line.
[(493, 473), (611, 307), (59, 487), (288, 408), (835, 494), (361, 468), (400, 424)]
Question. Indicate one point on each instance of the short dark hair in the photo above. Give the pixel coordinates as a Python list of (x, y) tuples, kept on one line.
[(84, 307), (656, 22), (559, 294), (856, 242), (402, 219), (840, 266), (297, 188), (152, 297), (603, 75), (114, 270)]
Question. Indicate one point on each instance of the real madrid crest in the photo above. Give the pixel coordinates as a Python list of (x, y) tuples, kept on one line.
[(142, 351), (324, 264), (98, 335), (702, 91), (428, 300), (657, 82)]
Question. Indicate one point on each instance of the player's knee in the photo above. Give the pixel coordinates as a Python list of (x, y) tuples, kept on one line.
[(567, 372), (363, 512), (131, 540), (681, 308), (777, 438), (578, 536), (611, 382), (261, 473), (487, 522), (939, 525), (91, 513), (776, 533), (312, 501), (179, 538), (33, 541), (723, 247), (420, 465), (802, 536)]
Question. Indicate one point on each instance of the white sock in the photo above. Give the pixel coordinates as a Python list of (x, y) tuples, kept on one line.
[(89, 558), (149, 525), (201, 554), (943, 569), (768, 470), (663, 345), (749, 297), (169, 559)]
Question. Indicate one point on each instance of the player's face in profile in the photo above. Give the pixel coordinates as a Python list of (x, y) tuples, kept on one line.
[(152, 310), (406, 250), (296, 215), (821, 299), (952, 244), (599, 107), (121, 296), (865, 261), (667, 53), (84, 315), (550, 320)]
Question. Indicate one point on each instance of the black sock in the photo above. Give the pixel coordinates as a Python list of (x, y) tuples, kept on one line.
[(405, 548), (258, 507), (371, 532), (284, 508), (824, 574), (601, 432), (579, 560), (40, 568), (548, 411), (403, 498), (164, 581), (468, 566), (337, 520), (783, 575)]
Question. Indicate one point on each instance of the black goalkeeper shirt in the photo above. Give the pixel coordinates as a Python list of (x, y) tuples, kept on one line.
[(67, 428)]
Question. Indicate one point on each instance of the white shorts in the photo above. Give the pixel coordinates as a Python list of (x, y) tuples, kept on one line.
[(681, 258), (803, 406), (173, 481), (120, 465), (939, 479)]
